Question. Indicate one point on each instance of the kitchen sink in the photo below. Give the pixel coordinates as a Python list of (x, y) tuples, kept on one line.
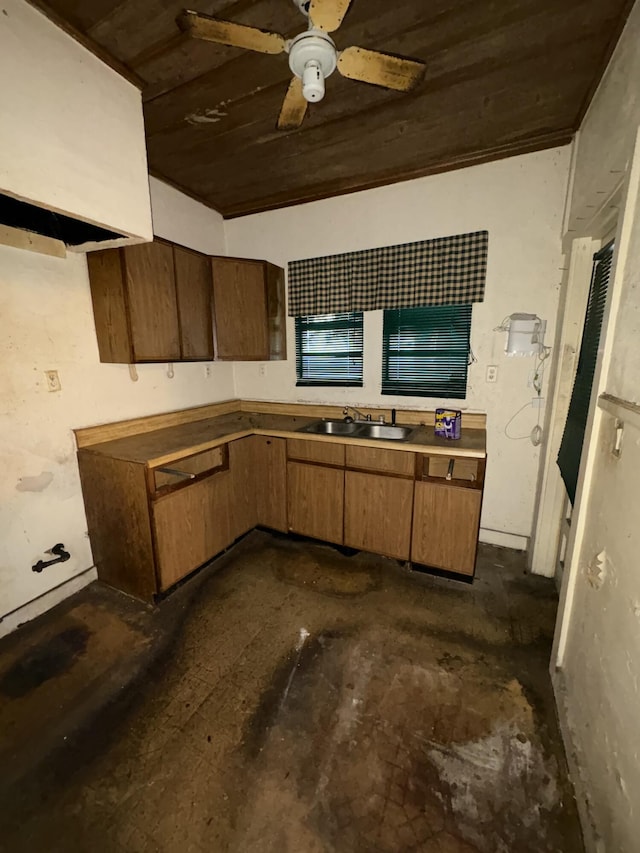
[(384, 432), (332, 428)]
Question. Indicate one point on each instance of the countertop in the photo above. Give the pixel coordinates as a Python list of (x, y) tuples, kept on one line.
[(163, 446)]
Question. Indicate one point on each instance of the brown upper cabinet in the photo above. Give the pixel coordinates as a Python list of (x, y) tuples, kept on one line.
[(193, 290), (151, 302), (154, 302), (249, 310)]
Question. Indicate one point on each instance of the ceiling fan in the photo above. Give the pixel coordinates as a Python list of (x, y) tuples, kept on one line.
[(313, 55)]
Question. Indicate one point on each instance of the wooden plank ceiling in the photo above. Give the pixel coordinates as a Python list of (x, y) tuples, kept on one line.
[(502, 77)]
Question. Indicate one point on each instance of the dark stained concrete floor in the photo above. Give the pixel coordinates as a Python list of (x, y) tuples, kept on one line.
[(293, 700)]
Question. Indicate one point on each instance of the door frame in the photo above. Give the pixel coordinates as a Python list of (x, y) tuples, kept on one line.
[(621, 207), (549, 517)]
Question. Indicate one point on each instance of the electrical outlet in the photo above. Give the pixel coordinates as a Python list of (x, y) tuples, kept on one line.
[(53, 380), (492, 373), (207, 371), (537, 402), (261, 370)]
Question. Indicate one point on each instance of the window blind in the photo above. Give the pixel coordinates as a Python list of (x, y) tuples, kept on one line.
[(329, 349), (425, 351), (573, 437)]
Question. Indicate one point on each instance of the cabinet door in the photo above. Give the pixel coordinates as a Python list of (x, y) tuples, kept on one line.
[(191, 526), (151, 297), (115, 500), (277, 315), (243, 492), (316, 501), (193, 291), (270, 481), (240, 310), (446, 520), (377, 514), (110, 305)]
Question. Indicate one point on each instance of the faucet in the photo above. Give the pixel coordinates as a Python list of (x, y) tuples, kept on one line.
[(359, 416)]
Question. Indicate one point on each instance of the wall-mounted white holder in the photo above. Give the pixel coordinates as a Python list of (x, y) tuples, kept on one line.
[(525, 334)]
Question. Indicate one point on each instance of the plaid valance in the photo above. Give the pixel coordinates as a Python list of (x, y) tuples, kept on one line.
[(444, 271)]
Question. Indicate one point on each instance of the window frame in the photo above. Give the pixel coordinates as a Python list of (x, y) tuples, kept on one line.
[(392, 321), (357, 320)]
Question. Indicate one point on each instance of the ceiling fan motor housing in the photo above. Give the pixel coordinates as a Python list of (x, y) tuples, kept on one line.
[(312, 57)]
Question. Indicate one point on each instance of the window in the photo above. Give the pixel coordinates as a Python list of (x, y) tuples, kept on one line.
[(329, 349), (425, 351), (574, 431)]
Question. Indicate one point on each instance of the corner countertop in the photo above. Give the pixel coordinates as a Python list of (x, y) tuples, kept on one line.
[(162, 446)]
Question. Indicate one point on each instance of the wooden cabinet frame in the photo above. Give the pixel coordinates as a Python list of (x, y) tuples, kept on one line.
[(423, 461), (157, 302), (452, 548), (249, 316), (156, 491), (137, 287), (411, 467), (126, 503)]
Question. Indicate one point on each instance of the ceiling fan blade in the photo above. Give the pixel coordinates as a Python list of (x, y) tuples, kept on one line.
[(327, 15), (225, 32), (381, 69), (294, 107)]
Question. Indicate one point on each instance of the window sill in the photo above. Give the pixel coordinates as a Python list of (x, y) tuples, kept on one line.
[(325, 383)]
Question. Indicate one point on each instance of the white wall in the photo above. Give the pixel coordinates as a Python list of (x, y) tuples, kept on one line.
[(598, 632), (520, 202), (72, 133), (47, 317), (177, 217)]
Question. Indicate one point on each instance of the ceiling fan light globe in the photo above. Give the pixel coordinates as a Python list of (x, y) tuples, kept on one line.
[(313, 82)]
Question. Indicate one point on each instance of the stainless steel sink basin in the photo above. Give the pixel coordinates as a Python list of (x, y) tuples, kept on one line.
[(384, 432), (331, 428)]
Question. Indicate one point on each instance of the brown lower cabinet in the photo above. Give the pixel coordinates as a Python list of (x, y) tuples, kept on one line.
[(270, 481), (152, 526), (116, 500), (377, 513), (446, 520), (243, 506), (191, 526), (316, 501), (149, 528)]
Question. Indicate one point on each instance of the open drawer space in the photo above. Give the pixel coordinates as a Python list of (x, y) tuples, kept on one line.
[(182, 471), (455, 470)]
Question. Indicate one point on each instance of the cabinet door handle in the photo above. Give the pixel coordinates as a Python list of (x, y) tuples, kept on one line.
[(187, 475), (452, 462)]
